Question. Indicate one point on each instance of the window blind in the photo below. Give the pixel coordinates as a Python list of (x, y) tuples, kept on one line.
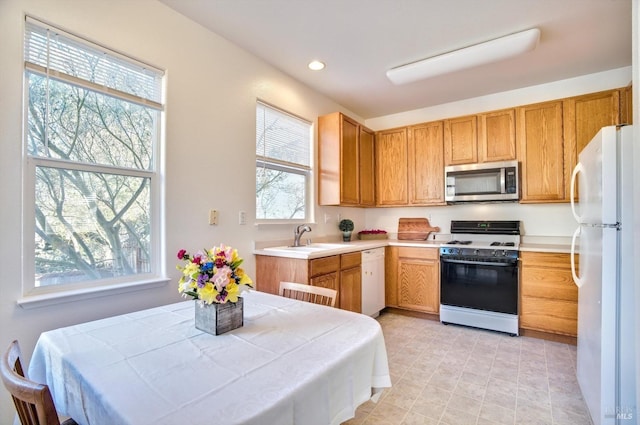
[(282, 138), (52, 52)]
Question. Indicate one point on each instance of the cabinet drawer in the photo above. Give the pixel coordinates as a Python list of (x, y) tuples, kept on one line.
[(548, 283), (352, 259), (420, 253), (324, 265), (555, 316), (546, 259)]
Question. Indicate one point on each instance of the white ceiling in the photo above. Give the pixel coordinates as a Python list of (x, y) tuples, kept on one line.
[(361, 39)]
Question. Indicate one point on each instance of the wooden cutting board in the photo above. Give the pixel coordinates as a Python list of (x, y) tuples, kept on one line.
[(415, 229)]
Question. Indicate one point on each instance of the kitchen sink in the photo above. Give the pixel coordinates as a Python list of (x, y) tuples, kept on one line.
[(314, 247)]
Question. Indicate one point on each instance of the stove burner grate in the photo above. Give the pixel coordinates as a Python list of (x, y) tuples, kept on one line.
[(459, 242), (502, 244)]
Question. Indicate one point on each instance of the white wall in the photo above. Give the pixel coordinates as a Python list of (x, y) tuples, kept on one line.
[(538, 220), (212, 88)]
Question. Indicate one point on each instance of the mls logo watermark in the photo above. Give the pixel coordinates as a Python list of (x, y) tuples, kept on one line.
[(622, 413)]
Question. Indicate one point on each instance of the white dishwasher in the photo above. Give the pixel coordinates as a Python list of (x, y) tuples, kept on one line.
[(373, 281)]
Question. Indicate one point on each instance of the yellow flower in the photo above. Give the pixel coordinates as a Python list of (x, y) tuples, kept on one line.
[(233, 291), (208, 293), (244, 278), (192, 269)]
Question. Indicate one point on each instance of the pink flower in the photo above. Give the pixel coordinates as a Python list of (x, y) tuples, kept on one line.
[(181, 253)]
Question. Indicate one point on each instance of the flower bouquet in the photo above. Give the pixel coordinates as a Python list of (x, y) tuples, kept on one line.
[(214, 278), (213, 275)]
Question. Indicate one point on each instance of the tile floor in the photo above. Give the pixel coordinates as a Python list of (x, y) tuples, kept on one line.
[(452, 375)]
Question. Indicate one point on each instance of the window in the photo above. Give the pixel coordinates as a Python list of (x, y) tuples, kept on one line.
[(283, 171), (91, 191)]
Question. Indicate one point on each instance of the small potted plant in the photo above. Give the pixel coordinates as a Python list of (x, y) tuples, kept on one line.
[(346, 226)]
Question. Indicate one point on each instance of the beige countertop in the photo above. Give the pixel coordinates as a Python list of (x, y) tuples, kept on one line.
[(529, 243)]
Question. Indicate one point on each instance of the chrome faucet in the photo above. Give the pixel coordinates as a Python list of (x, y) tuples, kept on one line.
[(298, 233)]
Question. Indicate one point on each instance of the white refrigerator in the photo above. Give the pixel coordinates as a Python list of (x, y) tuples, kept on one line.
[(605, 276)]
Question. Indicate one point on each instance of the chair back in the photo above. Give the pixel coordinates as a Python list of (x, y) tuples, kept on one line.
[(33, 401), (309, 293)]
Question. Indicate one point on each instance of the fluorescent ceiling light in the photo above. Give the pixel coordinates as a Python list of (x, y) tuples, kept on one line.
[(316, 65), (468, 57)]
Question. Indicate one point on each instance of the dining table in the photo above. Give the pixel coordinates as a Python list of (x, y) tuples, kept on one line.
[(292, 362)]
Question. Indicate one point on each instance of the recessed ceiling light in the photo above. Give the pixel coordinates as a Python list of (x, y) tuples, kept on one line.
[(316, 65)]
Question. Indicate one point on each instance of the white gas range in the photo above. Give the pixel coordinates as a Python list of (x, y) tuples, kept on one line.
[(479, 275)]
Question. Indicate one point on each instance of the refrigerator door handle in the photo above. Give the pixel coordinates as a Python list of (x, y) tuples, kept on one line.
[(578, 281), (578, 169)]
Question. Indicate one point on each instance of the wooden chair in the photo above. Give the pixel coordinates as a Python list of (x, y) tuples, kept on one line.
[(309, 293), (33, 400)]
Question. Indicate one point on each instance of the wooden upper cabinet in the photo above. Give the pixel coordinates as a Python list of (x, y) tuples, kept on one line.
[(391, 167), (626, 105), (497, 136), (460, 140), (541, 152), (426, 164), (349, 163), (367, 168), (585, 115), (345, 153)]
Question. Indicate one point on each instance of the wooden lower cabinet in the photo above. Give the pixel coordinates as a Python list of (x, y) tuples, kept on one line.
[(339, 272), (351, 289), (413, 278), (548, 296)]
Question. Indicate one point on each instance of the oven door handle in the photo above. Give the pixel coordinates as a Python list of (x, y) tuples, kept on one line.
[(478, 263)]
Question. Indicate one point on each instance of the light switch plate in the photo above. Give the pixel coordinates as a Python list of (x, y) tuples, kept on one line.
[(213, 216)]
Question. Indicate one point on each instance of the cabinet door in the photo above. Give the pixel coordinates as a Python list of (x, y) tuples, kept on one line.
[(460, 140), (391, 167), (426, 164), (626, 105), (418, 284), (367, 168), (329, 280), (391, 276), (548, 296), (270, 271), (541, 152), (349, 163), (497, 136), (585, 115), (351, 289)]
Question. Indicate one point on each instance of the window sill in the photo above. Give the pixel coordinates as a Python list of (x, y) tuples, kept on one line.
[(53, 298)]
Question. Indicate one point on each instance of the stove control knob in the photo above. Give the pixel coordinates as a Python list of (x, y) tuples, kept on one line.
[(475, 252), (504, 253), (494, 253)]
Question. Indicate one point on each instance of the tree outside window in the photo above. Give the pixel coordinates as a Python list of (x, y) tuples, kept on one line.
[(283, 171), (93, 122)]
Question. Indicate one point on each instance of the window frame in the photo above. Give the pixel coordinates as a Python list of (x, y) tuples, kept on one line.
[(36, 296), (292, 168)]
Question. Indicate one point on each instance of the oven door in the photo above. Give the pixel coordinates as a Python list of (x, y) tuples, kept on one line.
[(479, 285)]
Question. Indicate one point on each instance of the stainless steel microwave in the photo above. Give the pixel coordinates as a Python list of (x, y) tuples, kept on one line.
[(485, 182)]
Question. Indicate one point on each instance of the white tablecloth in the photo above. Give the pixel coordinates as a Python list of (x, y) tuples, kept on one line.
[(291, 363)]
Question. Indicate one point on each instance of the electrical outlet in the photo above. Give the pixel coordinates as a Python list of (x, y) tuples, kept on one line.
[(242, 217), (213, 217), (327, 218)]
